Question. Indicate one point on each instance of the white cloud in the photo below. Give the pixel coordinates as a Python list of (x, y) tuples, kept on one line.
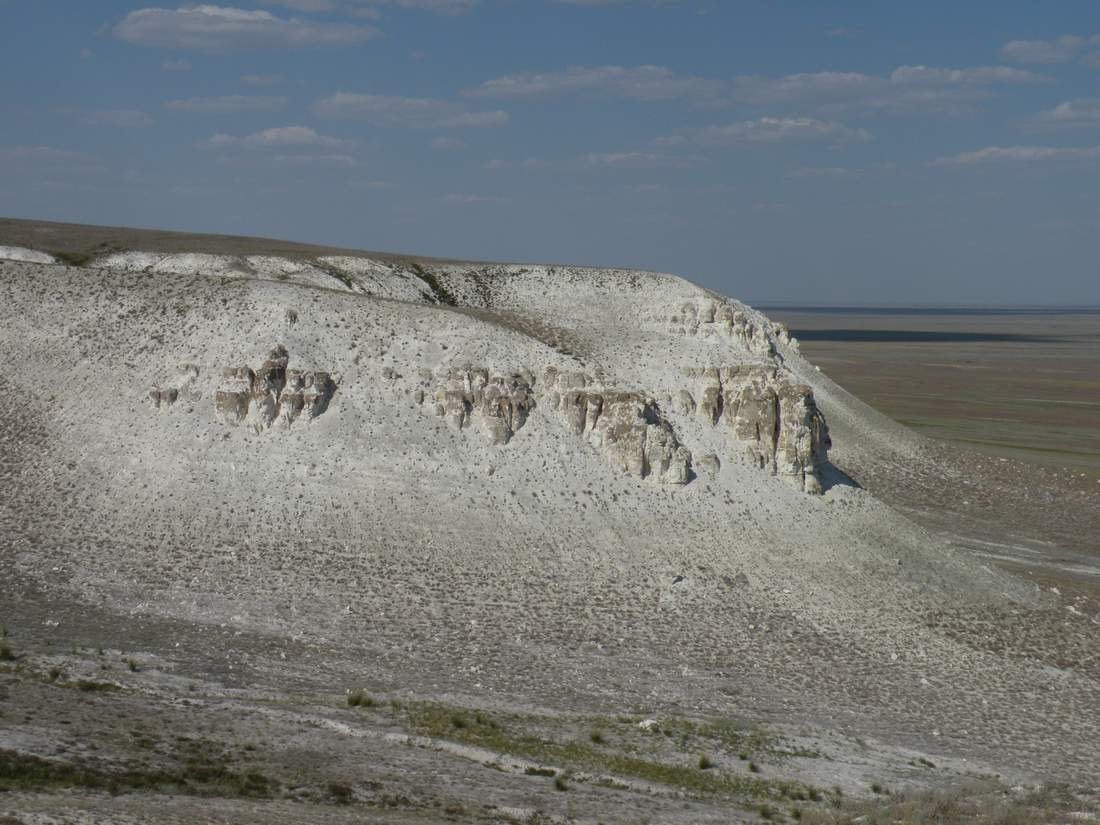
[(979, 75), (1062, 50), (839, 171), (261, 79), (906, 89), (768, 130), (340, 160), (282, 137), (219, 29), (1020, 154), (461, 199), (49, 155), (414, 112), (438, 6), (633, 82), (528, 163), (119, 118), (822, 172), (367, 8), (227, 104), (176, 65), (445, 144), (1083, 111), (640, 160), (616, 2)]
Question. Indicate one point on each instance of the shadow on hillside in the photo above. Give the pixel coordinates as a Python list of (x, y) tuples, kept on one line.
[(832, 476)]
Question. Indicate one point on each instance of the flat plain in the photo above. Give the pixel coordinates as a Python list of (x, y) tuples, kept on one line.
[(1018, 382)]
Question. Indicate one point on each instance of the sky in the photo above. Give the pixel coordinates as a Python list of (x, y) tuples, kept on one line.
[(779, 151)]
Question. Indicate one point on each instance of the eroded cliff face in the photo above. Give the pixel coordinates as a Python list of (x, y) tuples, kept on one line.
[(772, 419), (498, 404), (713, 317), (772, 422), (638, 420), (273, 395), (627, 426)]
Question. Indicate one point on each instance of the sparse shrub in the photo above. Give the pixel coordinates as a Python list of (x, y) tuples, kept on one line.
[(54, 674), (754, 767), (744, 757), (6, 653), (340, 793), (73, 258), (133, 665), (360, 699), (459, 722), (705, 762), (766, 811), (540, 772), (440, 292), (91, 686), (596, 737), (876, 787), (560, 783)]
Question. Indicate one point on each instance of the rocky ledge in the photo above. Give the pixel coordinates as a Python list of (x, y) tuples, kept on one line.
[(273, 395), (775, 419)]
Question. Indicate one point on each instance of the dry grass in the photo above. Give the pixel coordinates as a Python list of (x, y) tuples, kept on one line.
[(972, 805)]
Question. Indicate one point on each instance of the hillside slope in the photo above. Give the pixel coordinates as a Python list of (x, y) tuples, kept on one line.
[(514, 485)]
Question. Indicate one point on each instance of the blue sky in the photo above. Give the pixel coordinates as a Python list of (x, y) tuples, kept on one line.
[(779, 151)]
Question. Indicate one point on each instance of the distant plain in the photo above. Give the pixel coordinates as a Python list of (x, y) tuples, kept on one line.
[(1018, 382)]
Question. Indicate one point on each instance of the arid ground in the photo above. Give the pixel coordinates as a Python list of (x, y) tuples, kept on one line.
[(307, 535)]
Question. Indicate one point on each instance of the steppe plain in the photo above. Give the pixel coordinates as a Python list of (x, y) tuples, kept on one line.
[(389, 610)]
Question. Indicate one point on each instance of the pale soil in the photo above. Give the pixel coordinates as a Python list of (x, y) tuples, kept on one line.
[(255, 578)]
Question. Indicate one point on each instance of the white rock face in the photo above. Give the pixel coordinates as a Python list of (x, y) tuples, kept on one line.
[(773, 419), (621, 420), (499, 404), (30, 256), (272, 395), (628, 426)]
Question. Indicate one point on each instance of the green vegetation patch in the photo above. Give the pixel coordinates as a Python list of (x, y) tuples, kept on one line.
[(440, 292), (23, 772), (969, 805), (73, 258), (513, 735)]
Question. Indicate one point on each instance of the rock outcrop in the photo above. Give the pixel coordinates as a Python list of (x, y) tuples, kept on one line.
[(705, 317), (627, 426), (498, 404), (775, 419), (164, 394), (273, 394)]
